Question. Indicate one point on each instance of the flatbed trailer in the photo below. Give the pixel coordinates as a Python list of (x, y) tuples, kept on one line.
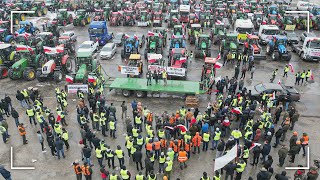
[(138, 86)]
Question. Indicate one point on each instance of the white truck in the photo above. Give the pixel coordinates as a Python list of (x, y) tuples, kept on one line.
[(309, 50), (266, 32), (243, 27)]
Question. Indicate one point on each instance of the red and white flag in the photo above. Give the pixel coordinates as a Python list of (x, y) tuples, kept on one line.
[(217, 65), (135, 37), (91, 79), (182, 128), (279, 82), (169, 127), (273, 95), (236, 110), (175, 19), (160, 35), (311, 75), (60, 48), (126, 36), (291, 68), (218, 22), (173, 36), (69, 79), (218, 57), (26, 35), (183, 59), (23, 48), (47, 49), (150, 33), (183, 25)]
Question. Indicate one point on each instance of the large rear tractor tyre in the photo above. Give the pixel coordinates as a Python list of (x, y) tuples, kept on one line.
[(57, 76), (38, 76), (29, 74), (275, 56), (4, 72), (68, 65), (11, 75)]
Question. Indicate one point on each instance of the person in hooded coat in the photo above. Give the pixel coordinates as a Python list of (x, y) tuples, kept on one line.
[(263, 174)]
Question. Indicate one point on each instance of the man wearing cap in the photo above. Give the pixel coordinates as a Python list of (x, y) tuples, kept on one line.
[(283, 152)]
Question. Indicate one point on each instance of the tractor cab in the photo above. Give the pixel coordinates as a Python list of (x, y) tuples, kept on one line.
[(272, 19), (48, 39), (208, 70), (204, 42), (22, 39), (253, 5), (246, 8), (25, 26), (280, 41), (134, 60), (232, 42), (233, 9), (177, 30), (83, 63), (177, 41), (67, 43), (24, 52), (257, 16), (54, 55), (252, 41), (220, 12), (315, 10), (283, 8), (242, 15), (177, 58), (6, 53), (62, 14), (193, 18)]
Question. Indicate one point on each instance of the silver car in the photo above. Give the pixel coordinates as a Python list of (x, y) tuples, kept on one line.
[(108, 51)]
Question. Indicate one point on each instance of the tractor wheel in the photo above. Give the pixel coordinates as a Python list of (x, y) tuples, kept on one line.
[(44, 11), (275, 56), (38, 13), (68, 65), (4, 72), (83, 22), (22, 17), (29, 74), (126, 93), (140, 94), (38, 76), (57, 76), (289, 57), (11, 74)]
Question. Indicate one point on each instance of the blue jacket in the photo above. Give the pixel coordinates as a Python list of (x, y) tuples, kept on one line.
[(5, 173), (205, 128)]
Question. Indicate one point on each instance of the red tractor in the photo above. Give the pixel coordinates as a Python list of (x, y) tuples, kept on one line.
[(116, 19), (98, 15), (252, 48), (273, 19), (57, 65)]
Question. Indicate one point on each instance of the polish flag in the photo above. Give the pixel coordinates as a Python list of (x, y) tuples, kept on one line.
[(218, 22), (150, 33), (173, 36), (183, 36), (217, 65), (183, 25), (60, 48), (291, 68), (69, 79), (182, 128), (91, 79), (254, 145), (273, 95), (218, 57), (169, 127), (160, 35), (47, 49), (236, 110), (126, 36), (26, 35), (135, 37), (311, 75), (175, 19), (183, 59), (23, 48), (279, 82)]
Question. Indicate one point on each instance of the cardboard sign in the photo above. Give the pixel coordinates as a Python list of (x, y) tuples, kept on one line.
[(176, 71), (73, 88), (290, 27), (129, 70)]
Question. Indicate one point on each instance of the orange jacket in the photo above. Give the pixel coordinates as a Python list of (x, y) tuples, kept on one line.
[(196, 140), (85, 170), (157, 145), (172, 120), (182, 156), (22, 131), (149, 147), (163, 143), (187, 146), (305, 139)]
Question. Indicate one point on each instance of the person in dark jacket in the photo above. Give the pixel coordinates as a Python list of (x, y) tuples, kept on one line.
[(59, 147), (281, 176), (149, 165), (278, 135), (229, 168), (263, 174), (265, 150), (137, 158), (283, 152), (256, 154), (294, 150), (50, 140), (21, 99), (15, 116), (220, 148), (8, 101), (312, 174), (5, 107), (5, 173), (86, 152), (293, 139), (268, 162)]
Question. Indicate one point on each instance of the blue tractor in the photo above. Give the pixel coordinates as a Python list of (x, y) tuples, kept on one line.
[(27, 27), (273, 9), (177, 41), (5, 35), (277, 48), (131, 46)]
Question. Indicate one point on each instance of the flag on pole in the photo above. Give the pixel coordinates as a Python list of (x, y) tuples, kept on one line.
[(169, 127), (23, 48), (47, 49), (254, 145), (150, 33), (60, 48), (279, 82), (218, 57), (160, 35), (236, 110), (182, 127), (91, 79), (273, 95), (173, 36), (69, 79), (26, 35), (217, 65), (291, 67), (183, 59), (135, 37)]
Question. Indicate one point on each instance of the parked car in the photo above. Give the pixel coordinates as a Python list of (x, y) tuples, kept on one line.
[(70, 34), (108, 51), (280, 90), (306, 34), (118, 39), (88, 46)]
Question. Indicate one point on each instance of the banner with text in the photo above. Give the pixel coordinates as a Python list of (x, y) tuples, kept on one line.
[(73, 88), (176, 71), (129, 70)]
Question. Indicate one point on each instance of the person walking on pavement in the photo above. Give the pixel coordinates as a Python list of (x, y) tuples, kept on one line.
[(298, 77), (241, 165), (294, 119), (110, 157), (256, 154), (274, 74), (5, 173), (99, 155), (302, 76), (149, 77), (125, 174), (264, 174), (252, 71), (15, 116), (87, 171), (140, 176), (59, 147), (30, 113), (285, 71), (283, 152), (168, 167), (230, 168), (77, 169), (236, 71), (305, 142), (23, 133), (41, 140), (182, 158), (65, 138), (21, 99), (112, 126), (3, 132), (124, 109), (196, 140), (294, 150), (51, 144), (278, 135), (120, 155), (137, 157), (282, 176), (243, 72)]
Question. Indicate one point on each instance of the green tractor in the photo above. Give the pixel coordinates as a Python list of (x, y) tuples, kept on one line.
[(229, 43), (85, 65), (163, 32), (82, 18), (63, 18), (194, 32), (174, 18), (177, 30), (7, 53), (26, 64), (206, 19), (218, 33), (203, 46), (155, 45), (39, 9), (52, 26)]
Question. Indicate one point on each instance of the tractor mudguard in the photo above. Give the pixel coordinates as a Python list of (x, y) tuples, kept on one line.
[(64, 59)]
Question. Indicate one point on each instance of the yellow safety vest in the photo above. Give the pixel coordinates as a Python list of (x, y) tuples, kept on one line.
[(113, 177), (30, 112), (110, 153), (57, 129), (95, 118), (139, 177), (286, 69), (149, 177), (139, 141), (246, 154), (112, 125), (129, 144), (169, 167), (138, 120), (183, 112), (187, 137), (161, 134), (303, 75), (206, 137), (98, 153), (135, 132), (39, 117), (150, 133), (162, 159), (65, 136), (133, 150), (242, 166), (124, 174), (119, 153), (217, 136)]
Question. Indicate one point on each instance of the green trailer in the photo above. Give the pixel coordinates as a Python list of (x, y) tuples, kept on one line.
[(139, 88)]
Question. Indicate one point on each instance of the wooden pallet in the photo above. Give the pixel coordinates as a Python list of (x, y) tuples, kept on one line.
[(192, 101)]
